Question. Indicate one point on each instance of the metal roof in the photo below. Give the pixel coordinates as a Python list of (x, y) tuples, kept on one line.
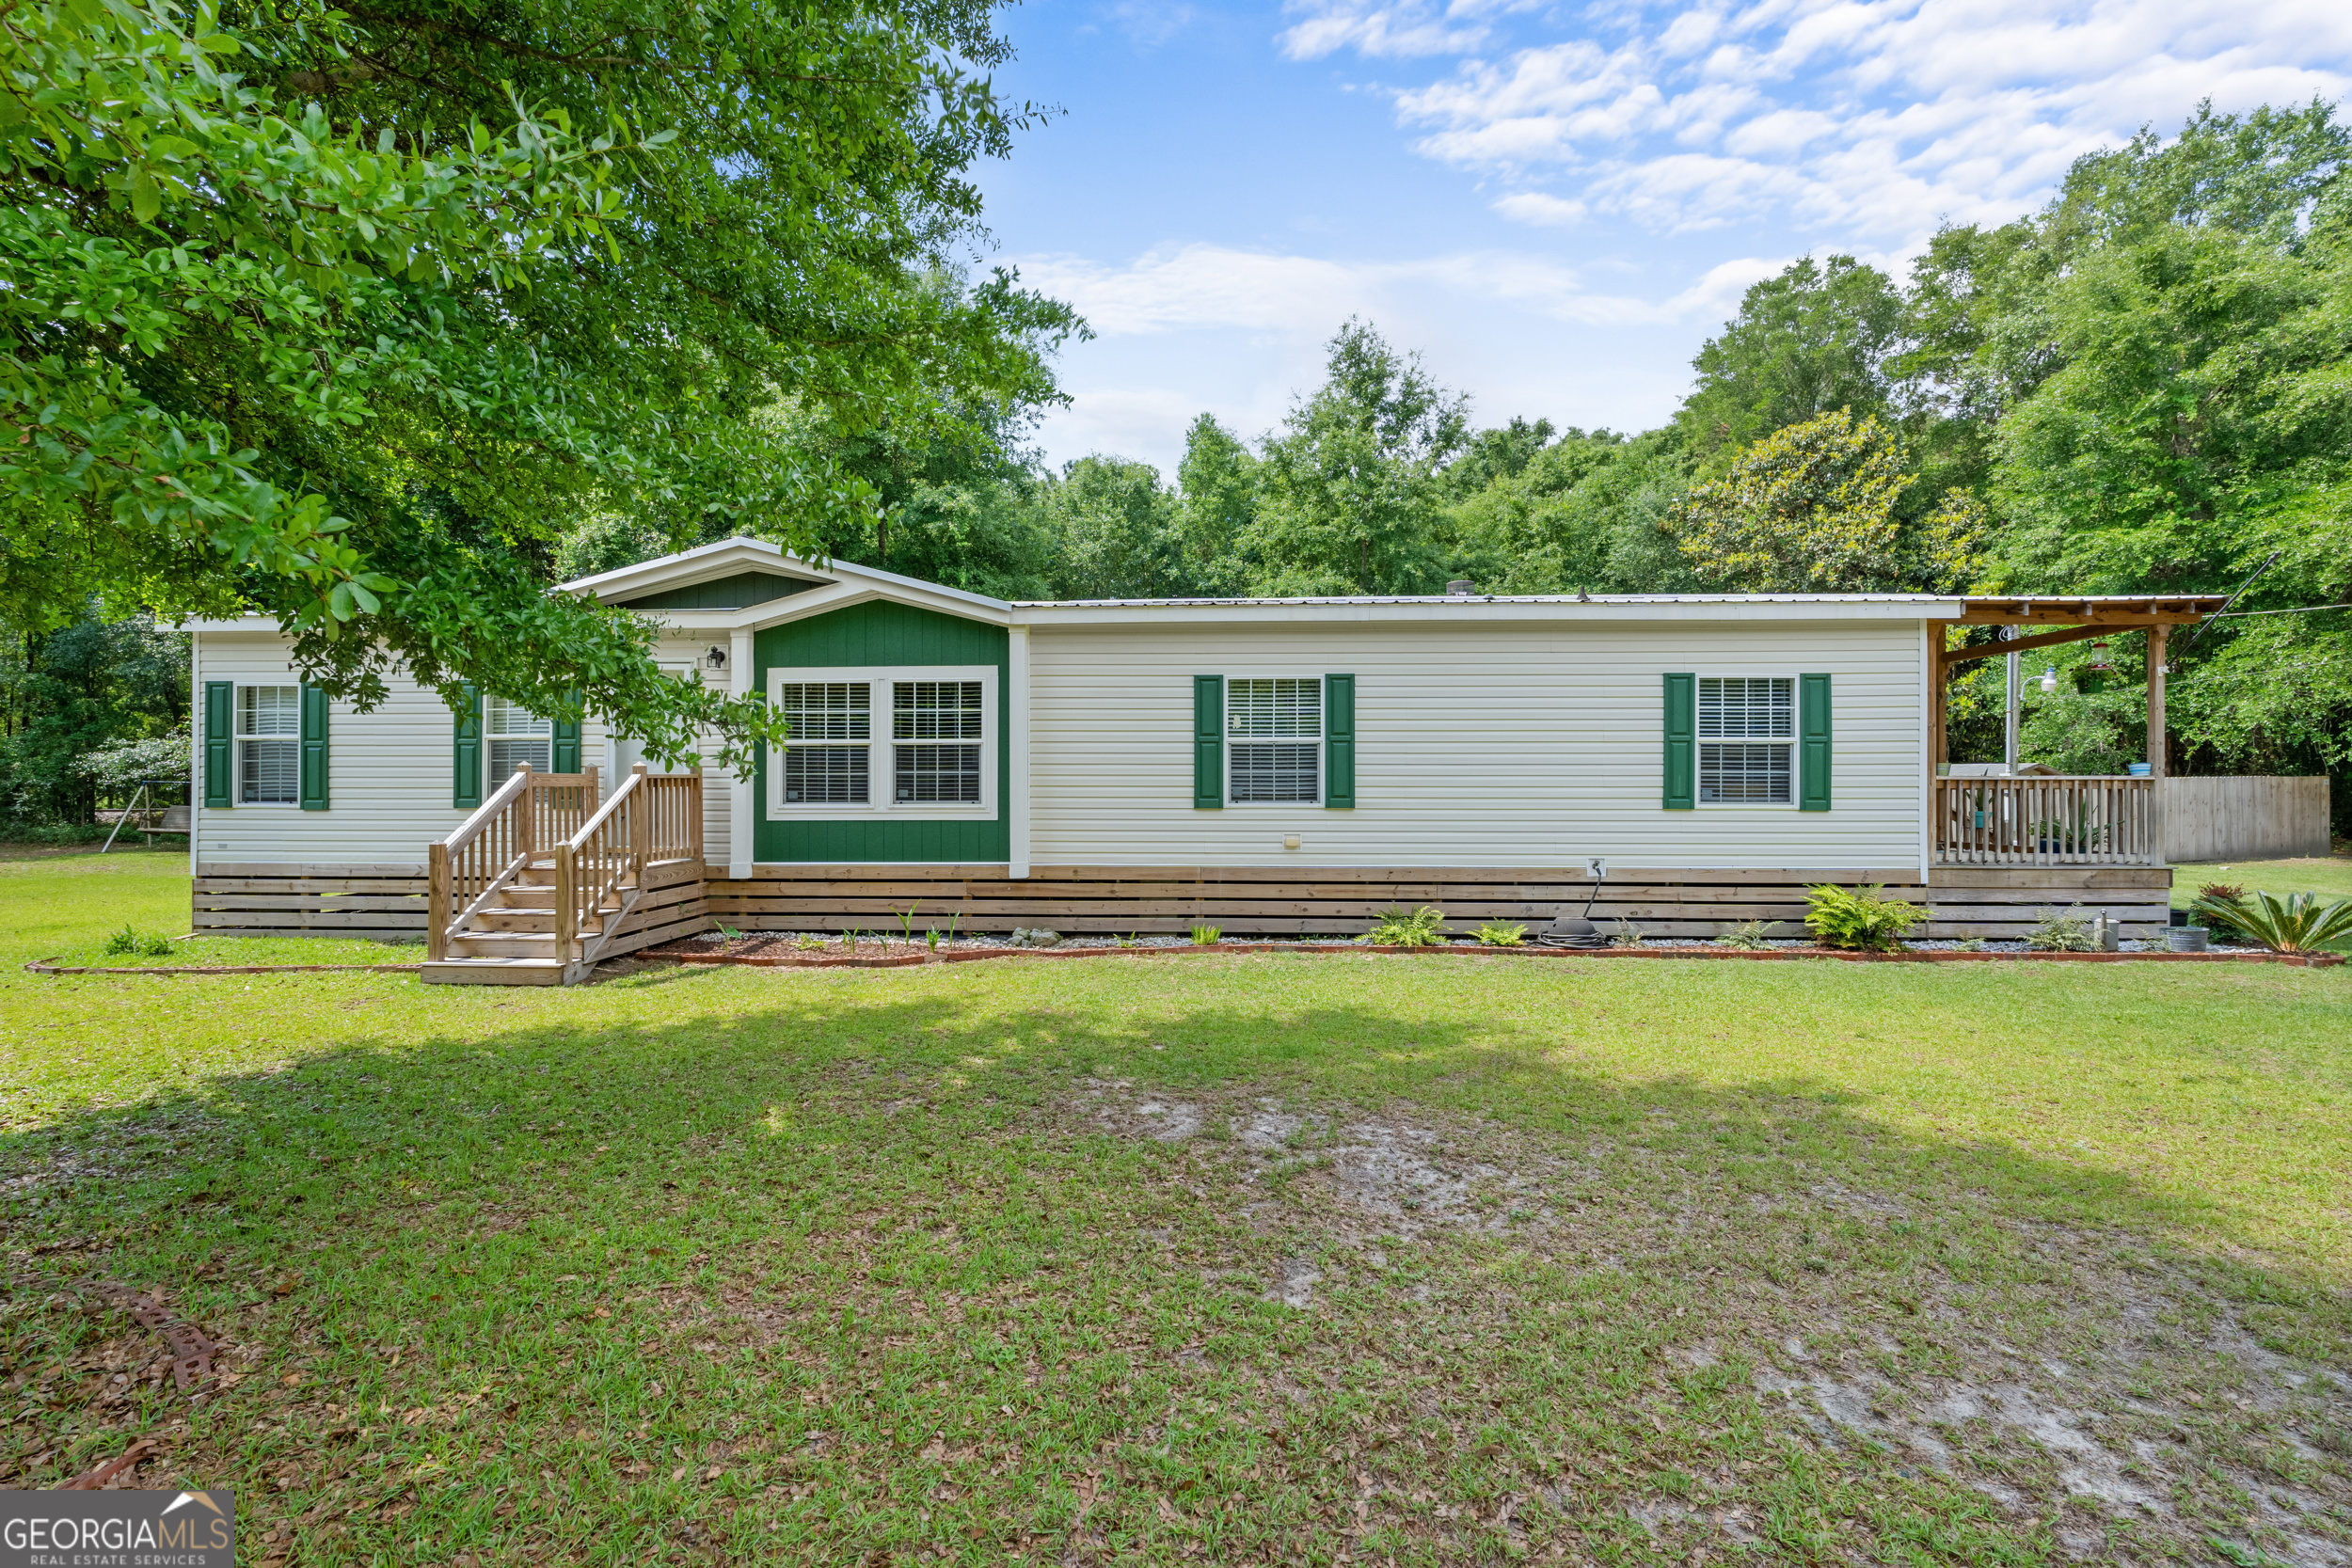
[(1504, 598)]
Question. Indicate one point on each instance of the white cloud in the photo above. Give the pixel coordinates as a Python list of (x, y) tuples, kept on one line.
[(1196, 287), (1873, 118)]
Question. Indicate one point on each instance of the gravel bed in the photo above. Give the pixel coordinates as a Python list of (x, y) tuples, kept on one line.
[(769, 943)]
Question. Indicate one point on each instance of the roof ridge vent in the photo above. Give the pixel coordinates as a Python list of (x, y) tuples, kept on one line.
[(1460, 587)]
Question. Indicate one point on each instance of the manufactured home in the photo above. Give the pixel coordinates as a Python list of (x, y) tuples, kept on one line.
[(1266, 766)]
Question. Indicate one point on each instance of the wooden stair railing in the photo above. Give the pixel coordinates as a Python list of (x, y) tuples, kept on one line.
[(523, 819), (600, 871)]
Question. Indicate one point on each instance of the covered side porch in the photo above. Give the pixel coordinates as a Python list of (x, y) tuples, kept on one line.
[(2004, 834)]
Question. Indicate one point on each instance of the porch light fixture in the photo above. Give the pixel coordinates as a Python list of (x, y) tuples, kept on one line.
[(2049, 681), (715, 656)]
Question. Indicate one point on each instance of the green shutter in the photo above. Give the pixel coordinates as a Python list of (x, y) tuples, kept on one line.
[(1813, 743), (1339, 741), (313, 748), (220, 744), (1208, 741), (466, 753), (564, 756), (1682, 742)]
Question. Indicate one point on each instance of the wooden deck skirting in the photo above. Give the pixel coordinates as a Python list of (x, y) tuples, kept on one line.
[(1287, 901), (387, 902)]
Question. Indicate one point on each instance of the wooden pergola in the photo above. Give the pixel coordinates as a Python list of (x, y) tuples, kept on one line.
[(2074, 618), (2061, 821)]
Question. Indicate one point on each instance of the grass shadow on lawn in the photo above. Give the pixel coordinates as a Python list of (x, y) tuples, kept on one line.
[(839, 1276)]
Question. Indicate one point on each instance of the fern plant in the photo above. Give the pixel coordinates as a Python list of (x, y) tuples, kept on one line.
[(1502, 933), (1205, 935), (1398, 926), (2298, 923), (2062, 933), (1747, 935), (1858, 918), (1628, 935)]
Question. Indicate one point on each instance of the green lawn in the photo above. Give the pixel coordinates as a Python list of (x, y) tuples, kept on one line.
[(2329, 877), (1280, 1259)]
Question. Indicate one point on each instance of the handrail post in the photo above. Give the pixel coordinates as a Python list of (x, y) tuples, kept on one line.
[(526, 836), (567, 916), (438, 904), (695, 819), (640, 820)]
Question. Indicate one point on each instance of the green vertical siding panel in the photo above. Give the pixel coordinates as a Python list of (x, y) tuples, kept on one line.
[(1339, 741), (220, 745), (1813, 743), (314, 757), (1208, 742), (465, 751), (884, 635), (1682, 742)]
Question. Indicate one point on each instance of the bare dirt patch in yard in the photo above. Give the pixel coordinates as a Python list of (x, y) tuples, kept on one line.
[(2099, 1394)]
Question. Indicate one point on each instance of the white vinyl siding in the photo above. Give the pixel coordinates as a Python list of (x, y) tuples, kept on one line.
[(1747, 741), (392, 774), (1496, 744), (269, 745)]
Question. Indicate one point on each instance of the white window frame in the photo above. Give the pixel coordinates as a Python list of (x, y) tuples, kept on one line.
[(1699, 742), (492, 778), (1321, 734), (240, 736), (882, 758)]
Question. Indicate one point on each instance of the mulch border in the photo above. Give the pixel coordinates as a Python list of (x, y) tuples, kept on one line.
[(755, 960)]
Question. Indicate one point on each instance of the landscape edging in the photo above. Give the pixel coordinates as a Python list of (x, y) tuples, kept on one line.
[(750, 961)]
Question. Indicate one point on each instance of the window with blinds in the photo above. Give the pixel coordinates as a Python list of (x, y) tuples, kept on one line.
[(935, 711), (517, 736), (269, 745), (1273, 739), (832, 725), (1747, 739), (917, 741)]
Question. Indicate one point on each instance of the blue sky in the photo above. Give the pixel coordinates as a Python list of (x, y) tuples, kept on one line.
[(1554, 204)]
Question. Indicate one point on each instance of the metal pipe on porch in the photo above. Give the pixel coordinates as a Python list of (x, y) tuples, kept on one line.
[(2157, 744)]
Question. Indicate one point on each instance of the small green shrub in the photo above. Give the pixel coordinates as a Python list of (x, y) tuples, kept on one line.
[(1858, 918), (1972, 945), (2221, 908), (1398, 926), (129, 944), (2298, 923), (1747, 936), (2069, 932), (1502, 933), (1628, 935), (1205, 935)]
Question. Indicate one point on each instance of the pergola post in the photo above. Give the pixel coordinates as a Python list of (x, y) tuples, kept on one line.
[(2157, 636)]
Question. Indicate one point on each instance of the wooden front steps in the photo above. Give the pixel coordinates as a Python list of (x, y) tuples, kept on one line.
[(543, 883)]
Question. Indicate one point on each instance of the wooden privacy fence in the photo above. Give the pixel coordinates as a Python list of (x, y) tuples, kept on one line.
[(2245, 818), (2071, 820)]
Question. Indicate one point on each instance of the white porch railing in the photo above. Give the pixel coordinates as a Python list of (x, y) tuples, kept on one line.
[(2067, 820)]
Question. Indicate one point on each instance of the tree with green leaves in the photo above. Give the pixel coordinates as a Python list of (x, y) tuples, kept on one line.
[(1811, 340), (346, 314), (1351, 491), (1584, 514), (1814, 509)]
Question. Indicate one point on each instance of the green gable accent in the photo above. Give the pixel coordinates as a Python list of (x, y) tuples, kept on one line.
[(1682, 742), (864, 635), (220, 746), (739, 592), (1813, 743)]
